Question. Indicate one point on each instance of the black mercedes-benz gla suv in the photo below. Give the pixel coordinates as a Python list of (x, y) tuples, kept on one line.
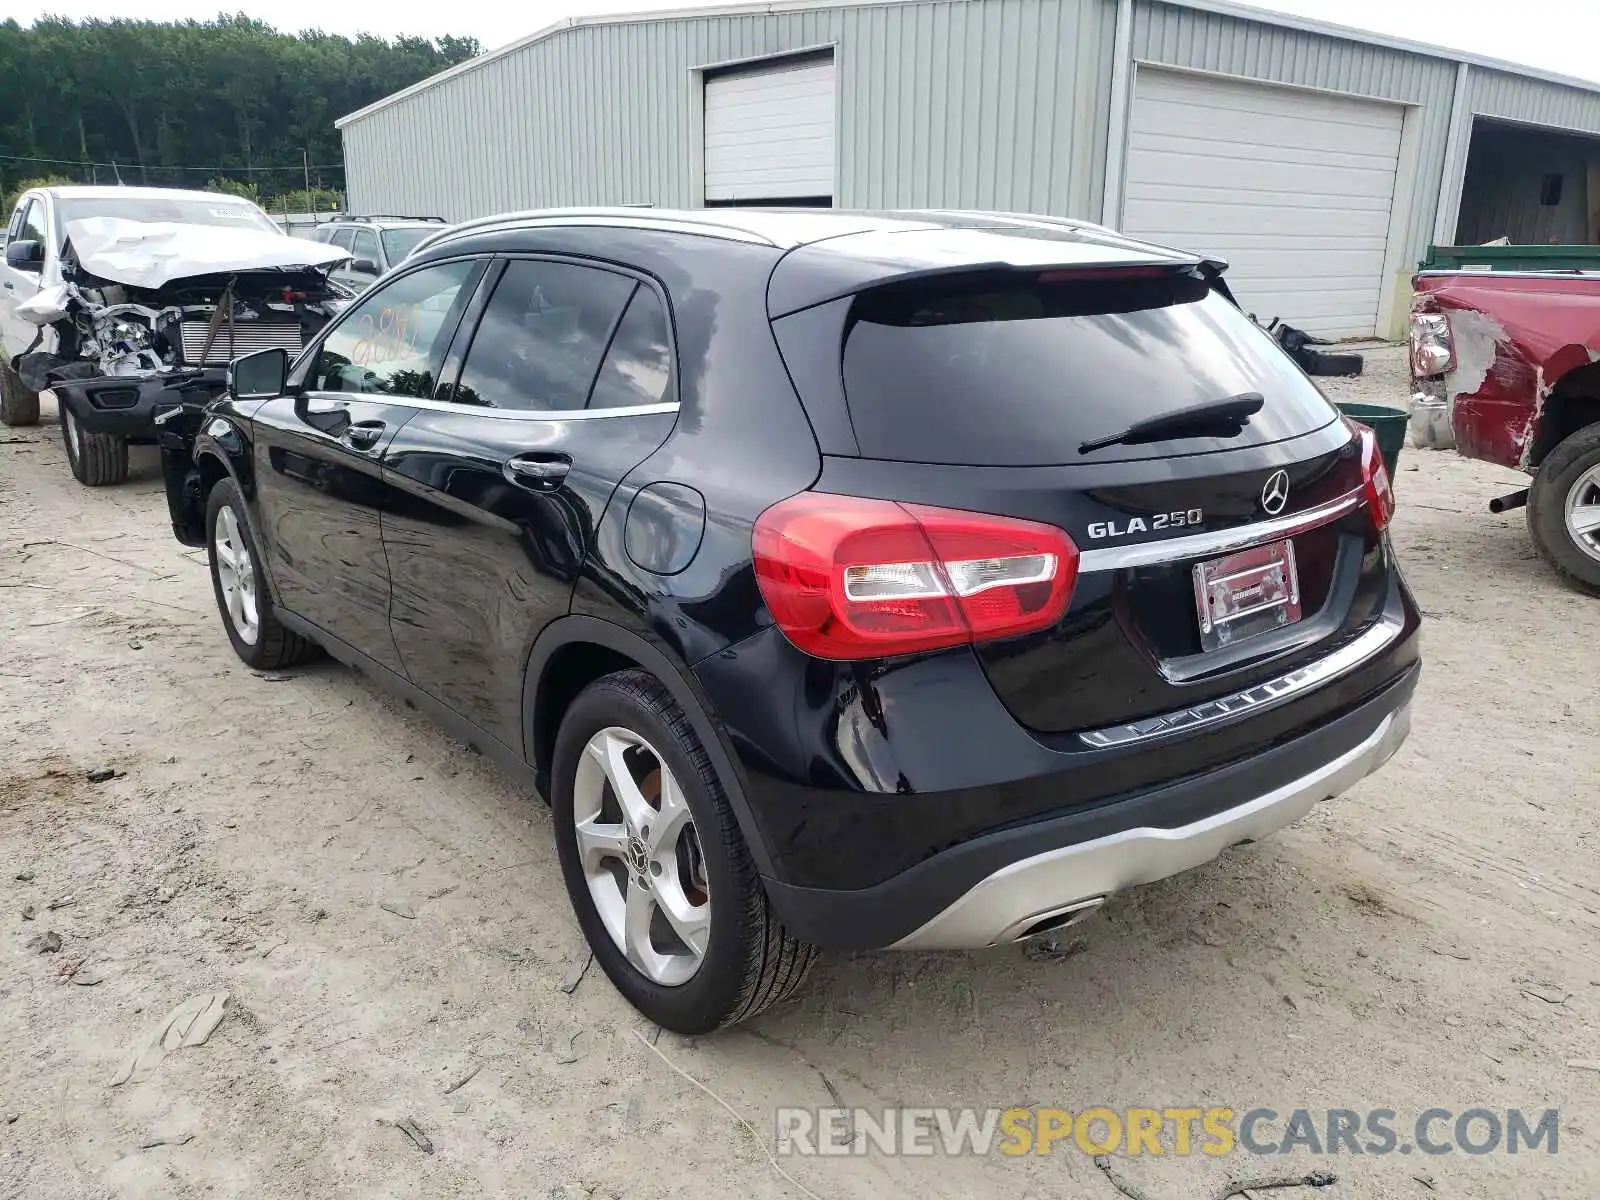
[(843, 580)]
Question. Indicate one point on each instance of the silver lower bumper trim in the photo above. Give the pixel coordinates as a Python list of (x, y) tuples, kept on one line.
[(1253, 699), (1006, 904)]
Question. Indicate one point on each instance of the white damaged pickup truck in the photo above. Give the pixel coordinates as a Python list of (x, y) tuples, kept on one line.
[(127, 304)]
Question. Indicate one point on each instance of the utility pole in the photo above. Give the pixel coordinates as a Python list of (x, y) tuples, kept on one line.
[(305, 163)]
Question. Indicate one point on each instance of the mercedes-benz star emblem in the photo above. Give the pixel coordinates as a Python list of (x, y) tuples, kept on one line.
[(1275, 493)]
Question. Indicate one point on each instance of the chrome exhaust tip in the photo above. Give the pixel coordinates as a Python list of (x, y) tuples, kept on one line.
[(1049, 921)]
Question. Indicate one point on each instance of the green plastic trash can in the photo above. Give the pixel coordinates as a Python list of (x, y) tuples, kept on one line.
[(1388, 423)]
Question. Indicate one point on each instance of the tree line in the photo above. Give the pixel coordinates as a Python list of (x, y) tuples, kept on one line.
[(231, 103)]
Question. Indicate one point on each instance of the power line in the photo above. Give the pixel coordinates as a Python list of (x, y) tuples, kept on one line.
[(89, 162)]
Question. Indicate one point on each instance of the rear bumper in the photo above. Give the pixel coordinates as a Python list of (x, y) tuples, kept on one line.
[(1035, 891), (1000, 886), (127, 405)]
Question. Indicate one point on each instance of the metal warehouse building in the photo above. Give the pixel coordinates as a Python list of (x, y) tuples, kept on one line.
[(1320, 161)]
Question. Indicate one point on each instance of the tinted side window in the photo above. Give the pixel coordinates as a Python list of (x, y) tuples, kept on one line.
[(397, 243), (542, 336), (341, 238), (638, 367), (387, 340), (365, 245)]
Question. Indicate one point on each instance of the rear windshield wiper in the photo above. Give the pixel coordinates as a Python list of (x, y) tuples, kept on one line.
[(1214, 418)]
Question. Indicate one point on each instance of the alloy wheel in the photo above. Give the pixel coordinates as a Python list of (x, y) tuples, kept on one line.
[(236, 576), (641, 856), (1583, 512)]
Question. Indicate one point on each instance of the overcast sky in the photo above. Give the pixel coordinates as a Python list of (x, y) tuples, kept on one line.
[(1556, 35)]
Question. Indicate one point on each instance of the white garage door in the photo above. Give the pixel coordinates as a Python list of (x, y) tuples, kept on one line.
[(769, 132), (1293, 188)]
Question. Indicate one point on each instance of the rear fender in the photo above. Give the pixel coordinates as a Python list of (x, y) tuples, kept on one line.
[(1572, 404), (672, 672), (1516, 339)]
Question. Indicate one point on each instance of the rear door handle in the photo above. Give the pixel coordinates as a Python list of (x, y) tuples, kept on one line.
[(541, 474), (364, 435)]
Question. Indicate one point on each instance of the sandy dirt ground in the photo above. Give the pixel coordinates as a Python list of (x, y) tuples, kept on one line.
[(1431, 939)]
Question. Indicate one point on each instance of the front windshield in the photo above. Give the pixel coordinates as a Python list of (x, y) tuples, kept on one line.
[(222, 211), (397, 243)]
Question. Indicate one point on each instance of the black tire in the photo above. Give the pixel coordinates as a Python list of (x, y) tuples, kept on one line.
[(751, 962), (1325, 362), (273, 646), (18, 406), (96, 459), (1562, 468)]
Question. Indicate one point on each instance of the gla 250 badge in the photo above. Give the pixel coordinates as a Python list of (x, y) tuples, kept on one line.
[(1157, 521)]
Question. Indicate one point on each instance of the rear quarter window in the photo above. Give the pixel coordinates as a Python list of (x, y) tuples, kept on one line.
[(638, 366), (397, 243), (990, 369), (542, 336)]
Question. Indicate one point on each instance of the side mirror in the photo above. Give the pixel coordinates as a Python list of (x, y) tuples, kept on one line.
[(259, 376), (363, 266), (25, 255)]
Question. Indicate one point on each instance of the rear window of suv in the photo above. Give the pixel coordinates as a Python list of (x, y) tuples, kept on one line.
[(994, 369), (397, 243)]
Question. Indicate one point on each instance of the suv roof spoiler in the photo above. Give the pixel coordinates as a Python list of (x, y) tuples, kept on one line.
[(827, 270)]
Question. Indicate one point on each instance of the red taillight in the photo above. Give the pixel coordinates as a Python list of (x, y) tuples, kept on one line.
[(846, 577), (1375, 478)]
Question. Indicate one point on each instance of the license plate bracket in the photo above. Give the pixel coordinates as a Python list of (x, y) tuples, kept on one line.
[(1245, 594)]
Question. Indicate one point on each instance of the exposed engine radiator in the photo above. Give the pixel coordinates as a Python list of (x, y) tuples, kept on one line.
[(242, 337)]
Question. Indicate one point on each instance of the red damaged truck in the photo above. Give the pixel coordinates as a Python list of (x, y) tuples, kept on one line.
[(1504, 367)]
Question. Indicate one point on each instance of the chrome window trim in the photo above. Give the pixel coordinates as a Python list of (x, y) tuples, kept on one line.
[(1251, 699), (512, 414), (1221, 541), (641, 278), (307, 357)]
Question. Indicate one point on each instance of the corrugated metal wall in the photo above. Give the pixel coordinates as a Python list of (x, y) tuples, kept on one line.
[(944, 103), (1205, 41), (951, 103), (1518, 98)]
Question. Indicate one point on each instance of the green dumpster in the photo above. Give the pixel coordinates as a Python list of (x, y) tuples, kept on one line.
[(1388, 423), (1512, 258)]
